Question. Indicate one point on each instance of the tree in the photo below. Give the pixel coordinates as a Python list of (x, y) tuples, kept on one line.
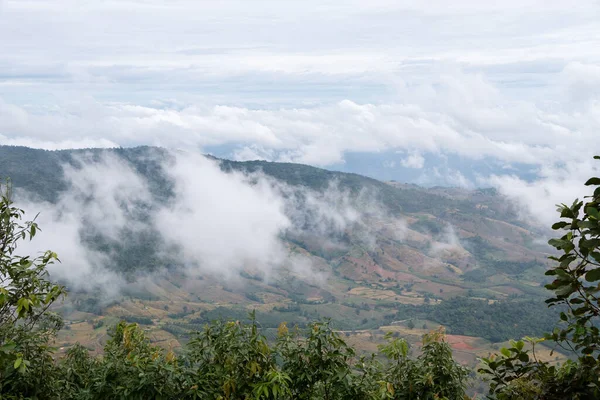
[(517, 373), (132, 368), (433, 375), (319, 365), (235, 361), (26, 294)]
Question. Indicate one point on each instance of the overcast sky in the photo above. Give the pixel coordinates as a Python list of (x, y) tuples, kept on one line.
[(462, 92)]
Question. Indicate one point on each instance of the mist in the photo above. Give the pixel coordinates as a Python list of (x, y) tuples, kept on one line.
[(103, 196), (558, 183), (218, 221), (215, 223)]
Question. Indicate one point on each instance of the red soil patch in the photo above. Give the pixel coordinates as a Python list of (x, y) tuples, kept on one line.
[(461, 346), (460, 342)]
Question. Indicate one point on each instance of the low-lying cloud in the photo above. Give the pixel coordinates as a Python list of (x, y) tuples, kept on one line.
[(216, 223), (219, 221), (558, 183), (103, 196)]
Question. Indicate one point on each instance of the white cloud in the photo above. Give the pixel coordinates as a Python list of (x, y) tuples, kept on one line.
[(447, 242), (558, 183), (253, 152), (308, 81), (582, 82), (102, 196), (84, 143), (459, 114), (444, 176), (413, 160), (220, 222), (353, 75), (188, 48), (216, 223)]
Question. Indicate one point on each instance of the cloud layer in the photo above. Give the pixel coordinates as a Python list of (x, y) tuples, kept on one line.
[(514, 82), (459, 114), (219, 221), (216, 223)]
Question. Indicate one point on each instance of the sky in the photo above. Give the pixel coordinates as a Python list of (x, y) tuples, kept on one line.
[(462, 93)]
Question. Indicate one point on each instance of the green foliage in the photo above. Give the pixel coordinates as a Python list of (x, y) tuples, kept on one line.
[(234, 361), (320, 364), (26, 325), (132, 368), (497, 321), (517, 374), (433, 375)]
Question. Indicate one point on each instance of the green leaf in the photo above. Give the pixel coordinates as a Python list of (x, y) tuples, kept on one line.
[(560, 244), (519, 345), (8, 347), (580, 311), (563, 275), (590, 243), (17, 363), (565, 291), (593, 275), (567, 260), (593, 181), (593, 212), (559, 225), (587, 224), (566, 212), (588, 350)]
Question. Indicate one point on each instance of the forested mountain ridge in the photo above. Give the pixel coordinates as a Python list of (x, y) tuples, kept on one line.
[(415, 250), (40, 172)]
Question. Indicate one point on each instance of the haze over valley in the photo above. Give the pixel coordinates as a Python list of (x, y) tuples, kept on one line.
[(175, 239), (299, 199)]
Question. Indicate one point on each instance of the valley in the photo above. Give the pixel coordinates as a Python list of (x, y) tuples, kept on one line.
[(410, 259)]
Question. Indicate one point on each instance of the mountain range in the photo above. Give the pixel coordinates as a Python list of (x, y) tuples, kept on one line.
[(372, 256)]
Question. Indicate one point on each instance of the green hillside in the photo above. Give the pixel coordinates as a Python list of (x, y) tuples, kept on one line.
[(494, 261)]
